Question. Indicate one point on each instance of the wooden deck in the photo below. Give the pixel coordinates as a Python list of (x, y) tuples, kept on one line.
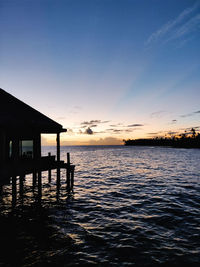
[(30, 166)]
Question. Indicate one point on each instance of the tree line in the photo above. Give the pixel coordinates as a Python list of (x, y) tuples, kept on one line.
[(185, 140)]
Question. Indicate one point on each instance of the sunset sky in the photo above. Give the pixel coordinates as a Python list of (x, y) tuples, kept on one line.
[(106, 70)]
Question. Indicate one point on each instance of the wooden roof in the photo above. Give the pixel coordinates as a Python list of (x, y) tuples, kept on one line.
[(15, 115)]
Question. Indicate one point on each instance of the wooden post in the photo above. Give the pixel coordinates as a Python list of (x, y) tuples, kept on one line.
[(37, 146), (49, 171), (68, 158), (58, 158), (58, 146), (39, 184), (34, 179), (68, 172), (58, 176)]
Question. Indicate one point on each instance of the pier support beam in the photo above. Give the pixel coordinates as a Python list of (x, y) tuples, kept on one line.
[(39, 186), (39, 183), (34, 179), (58, 146), (21, 185), (49, 170), (58, 157), (68, 172)]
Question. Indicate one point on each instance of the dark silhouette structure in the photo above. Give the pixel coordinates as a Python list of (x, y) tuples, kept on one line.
[(21, 127)]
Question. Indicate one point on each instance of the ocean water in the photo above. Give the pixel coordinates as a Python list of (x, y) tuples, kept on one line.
[(131, 206)]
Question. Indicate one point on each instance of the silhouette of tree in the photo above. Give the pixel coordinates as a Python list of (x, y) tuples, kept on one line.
[(193, 132)]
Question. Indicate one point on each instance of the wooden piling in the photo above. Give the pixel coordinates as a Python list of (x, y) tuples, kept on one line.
[(58, 176), (49, 171), (58, 157), (68, 158), (68, 178), (68, 172), (34, 179), (39, 184)]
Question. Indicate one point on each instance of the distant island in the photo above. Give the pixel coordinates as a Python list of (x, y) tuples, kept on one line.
[(185, 140)]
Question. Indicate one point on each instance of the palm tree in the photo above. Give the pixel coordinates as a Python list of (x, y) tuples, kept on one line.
[(193, 132)]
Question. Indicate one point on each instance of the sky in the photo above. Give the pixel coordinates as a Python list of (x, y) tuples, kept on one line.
[(107, 70)]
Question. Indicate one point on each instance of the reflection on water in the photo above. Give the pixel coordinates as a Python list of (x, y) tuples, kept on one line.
[(130, 206)]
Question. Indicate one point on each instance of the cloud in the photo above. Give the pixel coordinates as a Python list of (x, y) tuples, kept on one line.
[(186, 115), (172, 133), (173, 121), (116, 125), (135, 125), (190, 114), (156, 133), (114, 130), (129, 130), (189, 128), (89, 131), (117, 130), (90, 122), (176, 28), (93, 122), (191, 26)]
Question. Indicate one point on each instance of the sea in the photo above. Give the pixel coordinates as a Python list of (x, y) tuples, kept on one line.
[(130, 206)]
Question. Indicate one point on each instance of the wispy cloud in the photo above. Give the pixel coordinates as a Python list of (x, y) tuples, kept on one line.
[(153, 133), (172, 133), (93, 122), (135, 125), (123, 130), (190, 26), (190, 114), (173, 121), (186, 22), (116, 125)]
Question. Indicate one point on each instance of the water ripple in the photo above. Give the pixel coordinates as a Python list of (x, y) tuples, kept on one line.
[(130, 206)]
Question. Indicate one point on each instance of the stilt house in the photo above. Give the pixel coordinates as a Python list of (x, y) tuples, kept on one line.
[(21, 127)]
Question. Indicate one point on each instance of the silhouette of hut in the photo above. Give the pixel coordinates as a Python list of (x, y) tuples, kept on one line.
[(21, 127)]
